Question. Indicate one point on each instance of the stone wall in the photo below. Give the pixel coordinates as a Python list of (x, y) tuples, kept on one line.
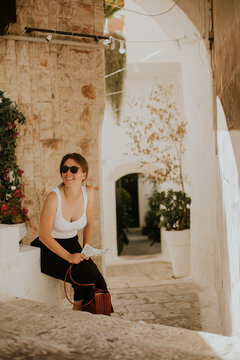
[(60, 89), (226, 55)]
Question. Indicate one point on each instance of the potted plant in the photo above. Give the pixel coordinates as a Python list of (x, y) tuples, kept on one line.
[(11, 196), (157, 130), (174, 222), (151, 227)]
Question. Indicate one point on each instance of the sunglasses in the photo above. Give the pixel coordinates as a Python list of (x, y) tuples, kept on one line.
[(73, 169)]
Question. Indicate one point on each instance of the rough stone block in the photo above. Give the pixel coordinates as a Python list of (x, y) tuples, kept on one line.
[(44, 85), (11, 52), (3, 47), (44, 113), (11, 73), (22, 53), (24, 92)]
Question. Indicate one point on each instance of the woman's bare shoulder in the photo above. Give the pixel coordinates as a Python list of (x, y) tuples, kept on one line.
[(51, 199)]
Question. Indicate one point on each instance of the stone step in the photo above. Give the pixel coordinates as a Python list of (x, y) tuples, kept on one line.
[(31, 330), (133, 237), (134, 231)]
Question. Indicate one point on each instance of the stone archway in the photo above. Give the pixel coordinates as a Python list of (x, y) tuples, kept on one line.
[(190, 20), (194, 60), (109, 217)]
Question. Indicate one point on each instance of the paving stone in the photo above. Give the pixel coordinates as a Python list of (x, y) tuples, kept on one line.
[(124, 290), (170, 302), (127, 301), (30, 330), (138, 316), (188, 297), (157, 296)]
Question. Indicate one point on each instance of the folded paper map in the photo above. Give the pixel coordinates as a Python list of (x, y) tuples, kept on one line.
[(88, 251)]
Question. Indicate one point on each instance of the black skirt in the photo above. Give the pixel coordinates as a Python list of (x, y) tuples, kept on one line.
[(84, 273)]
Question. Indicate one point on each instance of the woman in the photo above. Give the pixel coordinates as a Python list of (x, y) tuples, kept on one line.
[(67, 209)]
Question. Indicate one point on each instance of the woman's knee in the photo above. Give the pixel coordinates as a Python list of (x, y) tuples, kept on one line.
[(86, 271)]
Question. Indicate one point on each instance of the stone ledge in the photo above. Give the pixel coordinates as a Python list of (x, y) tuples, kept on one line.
[(33, 330)]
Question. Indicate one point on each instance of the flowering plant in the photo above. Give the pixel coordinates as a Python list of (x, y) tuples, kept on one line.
[(11, 210), (157, 130), (11, 196)]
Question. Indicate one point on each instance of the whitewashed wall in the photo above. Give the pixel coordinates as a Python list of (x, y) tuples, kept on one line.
[(20, 273), (141, 77), (228, 246), (212, 235)]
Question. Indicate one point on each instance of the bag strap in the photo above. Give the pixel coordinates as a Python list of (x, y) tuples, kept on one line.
[(69, 271)]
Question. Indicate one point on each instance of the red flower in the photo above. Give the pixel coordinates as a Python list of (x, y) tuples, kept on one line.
[(21, 172), (17, 193), (4, 214), (15, 135), (3, 207), (25, 211)]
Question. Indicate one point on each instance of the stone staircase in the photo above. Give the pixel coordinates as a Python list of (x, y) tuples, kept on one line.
[(139, 244), (135, 234), (32, 330)]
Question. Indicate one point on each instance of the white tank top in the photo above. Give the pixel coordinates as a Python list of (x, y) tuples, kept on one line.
[(63, 229)]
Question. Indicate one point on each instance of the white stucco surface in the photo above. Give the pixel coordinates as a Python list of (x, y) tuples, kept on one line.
[(212, 156), (228, 247), (20, 273), (117, 159)]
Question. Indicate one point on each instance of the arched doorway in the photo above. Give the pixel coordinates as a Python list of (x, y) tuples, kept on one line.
[(127, 208), (137, 230)]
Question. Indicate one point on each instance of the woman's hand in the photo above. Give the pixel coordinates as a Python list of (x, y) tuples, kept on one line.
[(76, 258)]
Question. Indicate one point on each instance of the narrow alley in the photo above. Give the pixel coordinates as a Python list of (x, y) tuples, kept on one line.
[(147, 291)]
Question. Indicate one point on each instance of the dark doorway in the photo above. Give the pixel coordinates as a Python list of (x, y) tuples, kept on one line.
[(130, 184), (126, 207)]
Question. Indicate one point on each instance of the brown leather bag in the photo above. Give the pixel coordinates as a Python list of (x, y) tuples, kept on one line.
[(100, 301)]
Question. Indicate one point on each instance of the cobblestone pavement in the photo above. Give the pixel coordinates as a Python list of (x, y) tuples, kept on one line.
[(148, 292)]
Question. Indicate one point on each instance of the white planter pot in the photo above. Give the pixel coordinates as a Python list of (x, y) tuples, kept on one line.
[(178, 243)]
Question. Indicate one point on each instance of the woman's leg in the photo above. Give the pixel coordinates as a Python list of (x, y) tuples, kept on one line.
[(84, 273)]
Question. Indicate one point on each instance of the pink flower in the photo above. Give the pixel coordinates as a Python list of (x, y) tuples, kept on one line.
[(10, 126)]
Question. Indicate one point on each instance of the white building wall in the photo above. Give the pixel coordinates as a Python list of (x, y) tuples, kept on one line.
[(228, 246), (115, 149), (201, 155), (149, 64)]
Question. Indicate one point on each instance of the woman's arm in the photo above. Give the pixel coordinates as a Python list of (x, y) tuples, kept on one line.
[(88, 230), (45, 228)]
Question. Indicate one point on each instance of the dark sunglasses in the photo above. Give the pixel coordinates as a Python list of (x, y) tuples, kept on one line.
[(73, 169)]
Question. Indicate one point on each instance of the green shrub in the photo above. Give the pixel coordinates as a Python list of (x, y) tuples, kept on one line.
[(174, 210)]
